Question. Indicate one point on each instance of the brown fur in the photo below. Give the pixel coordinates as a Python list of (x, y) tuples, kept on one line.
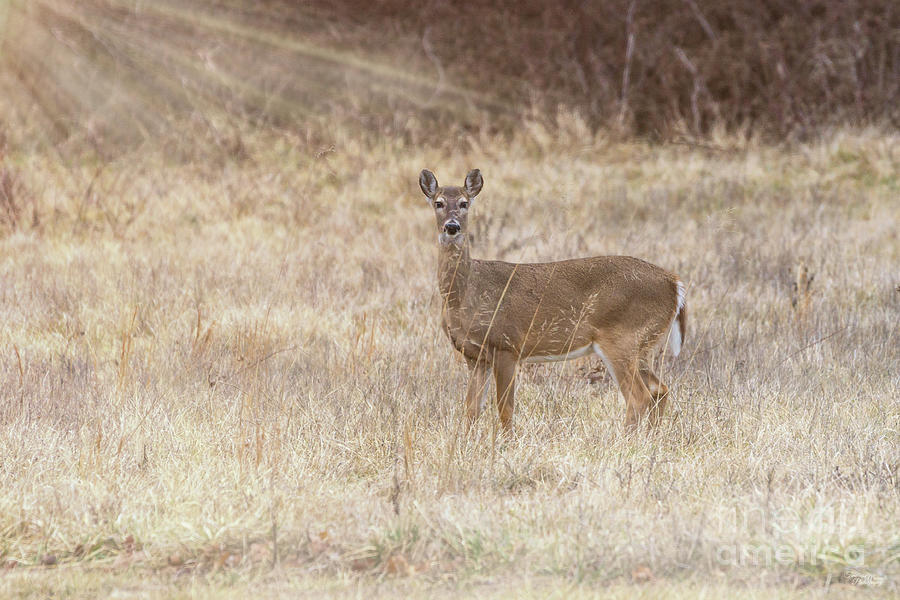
[(497, 313)]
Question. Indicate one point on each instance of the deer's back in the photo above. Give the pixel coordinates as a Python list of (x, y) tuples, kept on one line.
[(550, 308)]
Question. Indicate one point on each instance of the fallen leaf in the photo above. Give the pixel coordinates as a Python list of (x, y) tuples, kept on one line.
[(641, 574), (398, 565), (362, 564), (221, 559)]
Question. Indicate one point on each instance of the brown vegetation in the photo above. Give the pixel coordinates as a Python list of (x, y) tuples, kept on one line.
[(110, 72)]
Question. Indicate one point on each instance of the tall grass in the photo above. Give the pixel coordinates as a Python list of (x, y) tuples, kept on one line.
[(231, 366)]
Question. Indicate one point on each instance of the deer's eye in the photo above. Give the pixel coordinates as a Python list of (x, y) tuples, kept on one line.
[(439, 204), (464, 204)]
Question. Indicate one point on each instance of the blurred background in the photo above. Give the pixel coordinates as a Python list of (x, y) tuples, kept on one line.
[(110, 75)]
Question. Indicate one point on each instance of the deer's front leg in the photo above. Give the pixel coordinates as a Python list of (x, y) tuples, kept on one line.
[(505, 374), (478, 381)]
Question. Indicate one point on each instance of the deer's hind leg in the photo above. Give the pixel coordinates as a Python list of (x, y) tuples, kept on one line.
[(638, 398), (659, 393), (624, 364)]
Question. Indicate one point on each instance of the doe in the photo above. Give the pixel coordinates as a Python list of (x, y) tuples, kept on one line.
[(498, 314)]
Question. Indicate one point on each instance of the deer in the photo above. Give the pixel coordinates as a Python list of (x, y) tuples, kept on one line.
[(500, 314)]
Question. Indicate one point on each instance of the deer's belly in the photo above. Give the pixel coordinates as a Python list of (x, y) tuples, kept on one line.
[(572, 354)]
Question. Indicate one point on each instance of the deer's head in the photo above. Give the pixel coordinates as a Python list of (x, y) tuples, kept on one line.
[(451, 204)]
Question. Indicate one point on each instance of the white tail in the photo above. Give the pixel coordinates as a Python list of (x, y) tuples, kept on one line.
[(676, 329), (498, 314)]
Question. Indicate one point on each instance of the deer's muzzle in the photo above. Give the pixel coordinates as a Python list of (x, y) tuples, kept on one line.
[(451, 227)]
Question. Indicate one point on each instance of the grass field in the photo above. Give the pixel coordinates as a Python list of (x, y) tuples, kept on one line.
[(225, 378)]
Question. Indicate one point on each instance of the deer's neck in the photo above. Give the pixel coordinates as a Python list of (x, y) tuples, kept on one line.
[(454, 266)]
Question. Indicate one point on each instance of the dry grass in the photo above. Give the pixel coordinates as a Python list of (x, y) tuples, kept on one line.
[(227, 377)]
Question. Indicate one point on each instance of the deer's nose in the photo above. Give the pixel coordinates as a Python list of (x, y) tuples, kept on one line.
[(451, 227)]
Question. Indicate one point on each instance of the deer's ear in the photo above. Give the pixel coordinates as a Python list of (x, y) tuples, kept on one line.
[(428, 183), (473, 183)]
